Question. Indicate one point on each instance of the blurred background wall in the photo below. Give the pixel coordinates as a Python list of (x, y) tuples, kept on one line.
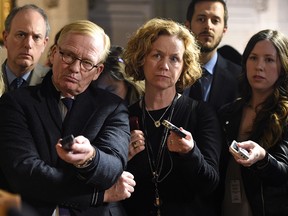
[(120, 18)]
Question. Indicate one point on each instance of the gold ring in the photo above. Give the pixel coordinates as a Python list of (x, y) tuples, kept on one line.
[(134, 144)]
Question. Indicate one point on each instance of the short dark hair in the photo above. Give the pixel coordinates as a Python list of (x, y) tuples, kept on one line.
[(16, 10), (114, 64), (191, 8)]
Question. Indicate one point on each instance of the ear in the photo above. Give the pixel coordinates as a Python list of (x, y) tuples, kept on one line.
[(5, 35), (45, 42), (99, 71), (225, 30), (53, 50), (188, 24)]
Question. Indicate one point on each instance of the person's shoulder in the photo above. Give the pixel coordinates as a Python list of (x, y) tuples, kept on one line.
[(231, 71), (229, 64), (187, 104), (24, 96), (42, 70), (38, 74), (229, 52), (231, 107), (135, 108), (104, 95)]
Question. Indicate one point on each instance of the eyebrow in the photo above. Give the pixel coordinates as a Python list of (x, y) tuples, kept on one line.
[(268, 54)]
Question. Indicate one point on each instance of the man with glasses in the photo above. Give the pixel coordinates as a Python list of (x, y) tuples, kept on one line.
[(34, 122)]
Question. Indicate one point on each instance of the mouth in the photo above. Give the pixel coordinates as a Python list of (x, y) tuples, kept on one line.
[(162, 76), (205, 35), (25, 55), (70, 79), (257, 77)]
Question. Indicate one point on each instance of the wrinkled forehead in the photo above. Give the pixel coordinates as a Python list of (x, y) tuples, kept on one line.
[(82, 45), (28, 18)]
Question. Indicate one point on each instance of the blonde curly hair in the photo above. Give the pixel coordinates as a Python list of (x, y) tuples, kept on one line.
[(139, 45)]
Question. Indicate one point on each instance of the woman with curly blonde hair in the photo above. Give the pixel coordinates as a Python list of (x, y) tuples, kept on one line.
[(148, 35), (258, 122), (175, 175)]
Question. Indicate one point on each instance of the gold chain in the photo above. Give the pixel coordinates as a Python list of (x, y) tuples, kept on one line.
[(158, 122)]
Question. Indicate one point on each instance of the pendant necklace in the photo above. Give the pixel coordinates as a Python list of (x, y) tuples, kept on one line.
[(158, 122), (157, 163)]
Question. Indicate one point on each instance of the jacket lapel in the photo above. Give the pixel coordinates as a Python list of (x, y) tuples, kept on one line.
[(50, 97), (38, 74), (83, 109), (219, 80)]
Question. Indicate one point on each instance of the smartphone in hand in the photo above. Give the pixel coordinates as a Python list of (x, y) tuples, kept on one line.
[(172, 127), (238, 152), (67, 142)]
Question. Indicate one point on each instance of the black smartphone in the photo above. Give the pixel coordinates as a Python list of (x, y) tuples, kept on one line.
[(172, 127), (238, 152), (67, 142)]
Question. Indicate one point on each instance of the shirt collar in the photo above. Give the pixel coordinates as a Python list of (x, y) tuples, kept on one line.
[(61, 97), (11, 76), (209, 66)]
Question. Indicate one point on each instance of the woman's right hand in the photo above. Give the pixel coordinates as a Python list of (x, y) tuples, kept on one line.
[(256, 153), (137, 143)]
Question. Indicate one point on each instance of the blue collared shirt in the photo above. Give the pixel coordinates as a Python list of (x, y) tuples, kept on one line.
[(11, 77), (206, 85)]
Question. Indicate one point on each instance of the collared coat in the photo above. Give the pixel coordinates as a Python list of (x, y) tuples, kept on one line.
[(30, 127)]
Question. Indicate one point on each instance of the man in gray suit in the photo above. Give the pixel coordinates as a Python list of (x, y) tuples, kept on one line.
[(25, 38), (207, 19)]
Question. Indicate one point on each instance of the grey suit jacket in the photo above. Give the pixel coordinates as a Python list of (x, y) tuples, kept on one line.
[(36, 78), (31, 125)]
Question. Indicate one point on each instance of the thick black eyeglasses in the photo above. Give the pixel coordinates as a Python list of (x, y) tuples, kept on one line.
[(70, 59)]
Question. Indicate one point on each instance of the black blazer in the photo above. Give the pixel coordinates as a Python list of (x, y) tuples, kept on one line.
[(31, 125), (224, 88), (266, 186)]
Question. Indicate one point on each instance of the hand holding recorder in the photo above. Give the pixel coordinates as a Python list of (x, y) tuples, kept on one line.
[(238, 152), (172, 127), (76, 151), (179, 141), (67, 142)]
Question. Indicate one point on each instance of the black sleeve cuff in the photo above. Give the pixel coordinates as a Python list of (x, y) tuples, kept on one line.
[(263, 163), (97, 198)]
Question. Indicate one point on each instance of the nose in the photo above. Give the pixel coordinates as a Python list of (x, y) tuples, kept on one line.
[(28, 42), (165, 63), (208, 24), (75, 66), (260, 64)]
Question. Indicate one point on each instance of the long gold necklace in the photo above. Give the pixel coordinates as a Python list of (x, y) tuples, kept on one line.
[(158, 122), (156, 164)]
